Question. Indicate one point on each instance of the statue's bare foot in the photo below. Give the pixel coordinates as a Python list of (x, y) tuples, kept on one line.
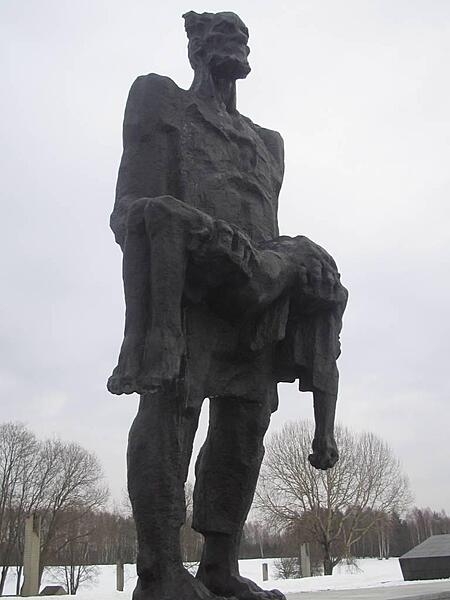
[(124, 377), (227, 584), (325, 453), (178, 585), (165, 348)]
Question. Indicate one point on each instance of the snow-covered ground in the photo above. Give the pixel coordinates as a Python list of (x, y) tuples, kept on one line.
[(369, 572)]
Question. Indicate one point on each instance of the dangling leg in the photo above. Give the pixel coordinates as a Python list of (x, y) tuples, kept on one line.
[(227, 471), (170, 225), (135, 270), (154, 263)]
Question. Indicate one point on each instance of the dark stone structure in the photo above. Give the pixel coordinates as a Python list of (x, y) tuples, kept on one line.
[(218, 305), (53, 590), (428, 560)]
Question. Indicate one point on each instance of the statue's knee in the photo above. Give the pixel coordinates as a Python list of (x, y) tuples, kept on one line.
[(167, 209), (160, 205), (137, 206), (135, 217), (157, 212), (151, 212)]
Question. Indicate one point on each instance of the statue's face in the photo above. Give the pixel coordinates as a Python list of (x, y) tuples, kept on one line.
[(226, 49)]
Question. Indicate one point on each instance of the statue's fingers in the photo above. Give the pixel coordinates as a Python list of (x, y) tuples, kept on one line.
[(224, 229), (329, 282), (341, 293), (303, 276), (315, 278), (240, 245), (224, 234), (246, 260), (237, 246), (327, 258)]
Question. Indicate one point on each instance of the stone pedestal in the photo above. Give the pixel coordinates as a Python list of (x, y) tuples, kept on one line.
[(120, 576), (305, 561), (31, 556)]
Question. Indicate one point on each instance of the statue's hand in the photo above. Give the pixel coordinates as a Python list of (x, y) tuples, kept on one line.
[(319, 276), (325, 453)]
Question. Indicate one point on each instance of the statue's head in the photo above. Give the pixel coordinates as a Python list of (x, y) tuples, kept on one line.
[(218, 41)]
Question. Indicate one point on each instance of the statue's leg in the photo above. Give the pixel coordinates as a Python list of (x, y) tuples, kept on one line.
[(136, 258), (227, 470), (159, 450)]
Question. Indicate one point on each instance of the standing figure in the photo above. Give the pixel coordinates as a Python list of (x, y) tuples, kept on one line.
[(218, 306)]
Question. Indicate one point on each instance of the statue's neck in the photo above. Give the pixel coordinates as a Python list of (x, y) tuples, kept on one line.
[(220, 91)]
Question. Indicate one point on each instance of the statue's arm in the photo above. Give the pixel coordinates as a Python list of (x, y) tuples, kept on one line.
[(149, 140)]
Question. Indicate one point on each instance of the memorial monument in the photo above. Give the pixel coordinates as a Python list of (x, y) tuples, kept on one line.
[(428, 560), (218, 306)]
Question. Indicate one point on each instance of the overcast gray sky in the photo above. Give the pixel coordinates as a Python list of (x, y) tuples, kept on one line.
[(359, 90)]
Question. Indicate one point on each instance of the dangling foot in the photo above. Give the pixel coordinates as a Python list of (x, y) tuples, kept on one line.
[(165, 349), (124, 378), (177, 585), (219, 581)]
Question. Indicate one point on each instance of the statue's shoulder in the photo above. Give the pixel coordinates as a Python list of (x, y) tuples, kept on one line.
[(153, 94), (272, 139), (155, 86)]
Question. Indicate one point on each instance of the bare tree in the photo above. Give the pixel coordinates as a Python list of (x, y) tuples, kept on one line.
[(336, 507), (287, 567), (73, 489), (61, 481), (19, 468), (75, 556), (73, 576)]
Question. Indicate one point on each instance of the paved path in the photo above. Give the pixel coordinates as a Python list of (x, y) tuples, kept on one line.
[(437, 590)]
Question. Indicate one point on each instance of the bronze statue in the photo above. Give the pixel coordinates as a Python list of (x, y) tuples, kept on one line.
[(218, 306)]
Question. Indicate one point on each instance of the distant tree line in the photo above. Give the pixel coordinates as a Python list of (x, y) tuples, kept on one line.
[(391, 537), (396, 535)]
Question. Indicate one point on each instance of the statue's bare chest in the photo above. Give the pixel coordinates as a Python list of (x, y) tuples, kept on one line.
[(228, 172)]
